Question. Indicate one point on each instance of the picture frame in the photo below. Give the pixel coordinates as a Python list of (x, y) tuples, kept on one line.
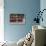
[(17, 18)]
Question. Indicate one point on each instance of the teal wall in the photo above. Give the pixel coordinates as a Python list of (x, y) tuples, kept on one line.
[(28, 8)]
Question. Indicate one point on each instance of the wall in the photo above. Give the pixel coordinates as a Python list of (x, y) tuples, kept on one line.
[(43, 6), (1, 21), (28, 8)]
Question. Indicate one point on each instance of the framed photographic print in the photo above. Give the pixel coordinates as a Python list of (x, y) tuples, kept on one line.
[(17, 19)]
